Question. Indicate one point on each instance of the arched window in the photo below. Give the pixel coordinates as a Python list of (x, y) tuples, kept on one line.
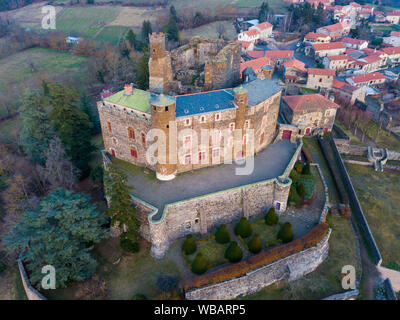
[(134, 152), (109, 126), (113, 152), (131, 133), (143, 139)]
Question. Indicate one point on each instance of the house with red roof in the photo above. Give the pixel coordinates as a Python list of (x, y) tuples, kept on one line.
[(369, 79), (313, 37), (335, 31), (320, 78), (246, 45), (321, 50), (295, 71), (313, 113), (393, 39), (279, 56), (393, 17), (392, 54), (264, 29), (357, 44), (249, 36), (347, 92), (337, 62), (259, 67), (255, 54)]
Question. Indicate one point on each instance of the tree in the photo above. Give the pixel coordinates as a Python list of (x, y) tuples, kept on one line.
[(131, 38), (306, 169), (243, 228), (271, 218), (189, 246), (221, 30), (255, 244), (293, 195), (87, 107), (233, 253), (301, 190), (121, 210), (222, 235), (36, 131), (199, 265), (61, 233), (72, 126), (142, 79), (263, 13), (146, 31), (285, 233), (172, 12), (172, 30)]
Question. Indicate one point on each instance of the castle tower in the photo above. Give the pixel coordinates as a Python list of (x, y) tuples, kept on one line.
[(160, 69), (162, 112), (240, 100)]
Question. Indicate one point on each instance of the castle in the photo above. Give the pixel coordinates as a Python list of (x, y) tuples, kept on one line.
[(128, 116)]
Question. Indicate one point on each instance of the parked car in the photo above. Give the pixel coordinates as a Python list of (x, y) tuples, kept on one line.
[(298, 44), (272, 36), (262, 43)]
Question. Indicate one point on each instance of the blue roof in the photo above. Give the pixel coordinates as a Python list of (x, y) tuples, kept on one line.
[(260, 90), (203, 102)]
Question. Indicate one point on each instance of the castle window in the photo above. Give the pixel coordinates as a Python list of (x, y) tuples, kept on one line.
[(143, 139), (187, 122), (133, 152), (264, 122), (188, 159), (166, 109), (196, 220), (232, 126), (247, 124), (262, 138), (202, 119), (113, 152), (188, 142), (217, 117), (202, 155), (131, 133), (109, 126), (215, 153), (216, 136)]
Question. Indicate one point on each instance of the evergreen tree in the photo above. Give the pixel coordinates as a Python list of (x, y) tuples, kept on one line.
[(222, 235), (189, 246), (146, 31), (87, 107), (172, 30), (263, 13), (199, 265), (306, 169), (72, 126), (172, 12), (131, 38), (293, 195), (233, 253), (243, 228), (301, 190), (142, 79), (255, 244), (121, 210), (271, 218), (285, 233), (37, 131), (60, 232)]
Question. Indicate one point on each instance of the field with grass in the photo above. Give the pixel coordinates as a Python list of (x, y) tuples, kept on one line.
[(382, 138), (268, 234), (209, 31), (212, 251), (379, 194), (325, 280), (28, 68), (353, 139)]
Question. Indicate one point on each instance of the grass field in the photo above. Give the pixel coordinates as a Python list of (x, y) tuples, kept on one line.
[(209, 31), (325, 280), (379, 194), (212, 251), (353, 139), (28, 68), (384, 139)]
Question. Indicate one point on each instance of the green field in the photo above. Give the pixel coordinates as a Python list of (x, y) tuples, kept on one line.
[(379, 194), (112, 34), (209, 31), (28, 68), (325, 280)]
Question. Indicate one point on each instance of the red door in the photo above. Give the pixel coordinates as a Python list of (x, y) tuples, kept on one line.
[(113, 152), (325, 130), (308, 130), (287, 134)]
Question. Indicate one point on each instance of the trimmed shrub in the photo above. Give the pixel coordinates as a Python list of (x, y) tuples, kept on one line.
[(189, 246), (295, 176), (298, 167), (139, 296), (286, 233), (128, 245), (222, 235), (306, 169), (243, 228), (293, 195), (255, 244), (301, 190), (233, 253), (166, 282), (271, 218), (199, 265)]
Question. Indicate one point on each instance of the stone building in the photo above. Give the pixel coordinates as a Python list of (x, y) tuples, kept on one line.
[(320, 78), (311, 113), (348, 92), (336, 30), (369, 79), (313, 37), (321, 50), (295, 71)]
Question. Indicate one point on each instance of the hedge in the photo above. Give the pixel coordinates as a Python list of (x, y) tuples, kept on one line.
[(312, 238)]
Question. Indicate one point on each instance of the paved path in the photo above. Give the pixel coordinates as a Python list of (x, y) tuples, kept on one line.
[(393, 275)]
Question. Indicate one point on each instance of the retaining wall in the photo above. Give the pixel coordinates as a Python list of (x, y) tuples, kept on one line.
[(30, 291)]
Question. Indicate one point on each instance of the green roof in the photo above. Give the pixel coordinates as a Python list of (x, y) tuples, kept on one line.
[(139, 100)]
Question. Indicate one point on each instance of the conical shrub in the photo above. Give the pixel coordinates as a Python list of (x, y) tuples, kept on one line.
[(189, 246), (243, 228), (233, 253), (199, 265), (271, 218), (286, 233), (255, 244), (222, 235)]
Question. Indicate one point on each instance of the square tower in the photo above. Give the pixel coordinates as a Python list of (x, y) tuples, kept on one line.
[(160, 70)]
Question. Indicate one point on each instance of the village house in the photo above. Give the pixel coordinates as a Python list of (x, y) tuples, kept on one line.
[(313, 113), (357, 44), (264, 29), (393, 17), (369, 63), (249, 36), (246, 46), (335, 31), (369, 79), (279, 57), (393, 55), (321, 50), (393, 39), (257, 65), (348, 92), (337, 62), (379, 16), (313, 37), (295, 71), (320, 78)]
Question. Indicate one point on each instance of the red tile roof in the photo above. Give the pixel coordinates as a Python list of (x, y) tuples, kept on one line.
[(279, 54), (395, 33), (321, 72), (393, 13), (367, 77), (264, 25), (314, 35), (338, 57), (252, 32), (256, 64), (334, 27), (337, 84), (256, 54), (295, 64), (245, 44), (308, 102), (371, 59), (352, 41), (328, 46), (392, 50)]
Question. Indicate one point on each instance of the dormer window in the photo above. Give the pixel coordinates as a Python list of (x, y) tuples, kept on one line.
[(247, 124), (217, 116), (188, 122), (202, 119)]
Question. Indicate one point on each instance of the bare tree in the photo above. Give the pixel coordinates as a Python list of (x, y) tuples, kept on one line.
[(58, 170), (221, 30)]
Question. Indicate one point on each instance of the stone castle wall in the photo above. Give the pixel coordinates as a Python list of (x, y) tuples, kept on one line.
[(290, 268)]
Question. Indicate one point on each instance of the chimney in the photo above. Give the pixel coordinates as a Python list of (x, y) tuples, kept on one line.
[(128, 88)]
